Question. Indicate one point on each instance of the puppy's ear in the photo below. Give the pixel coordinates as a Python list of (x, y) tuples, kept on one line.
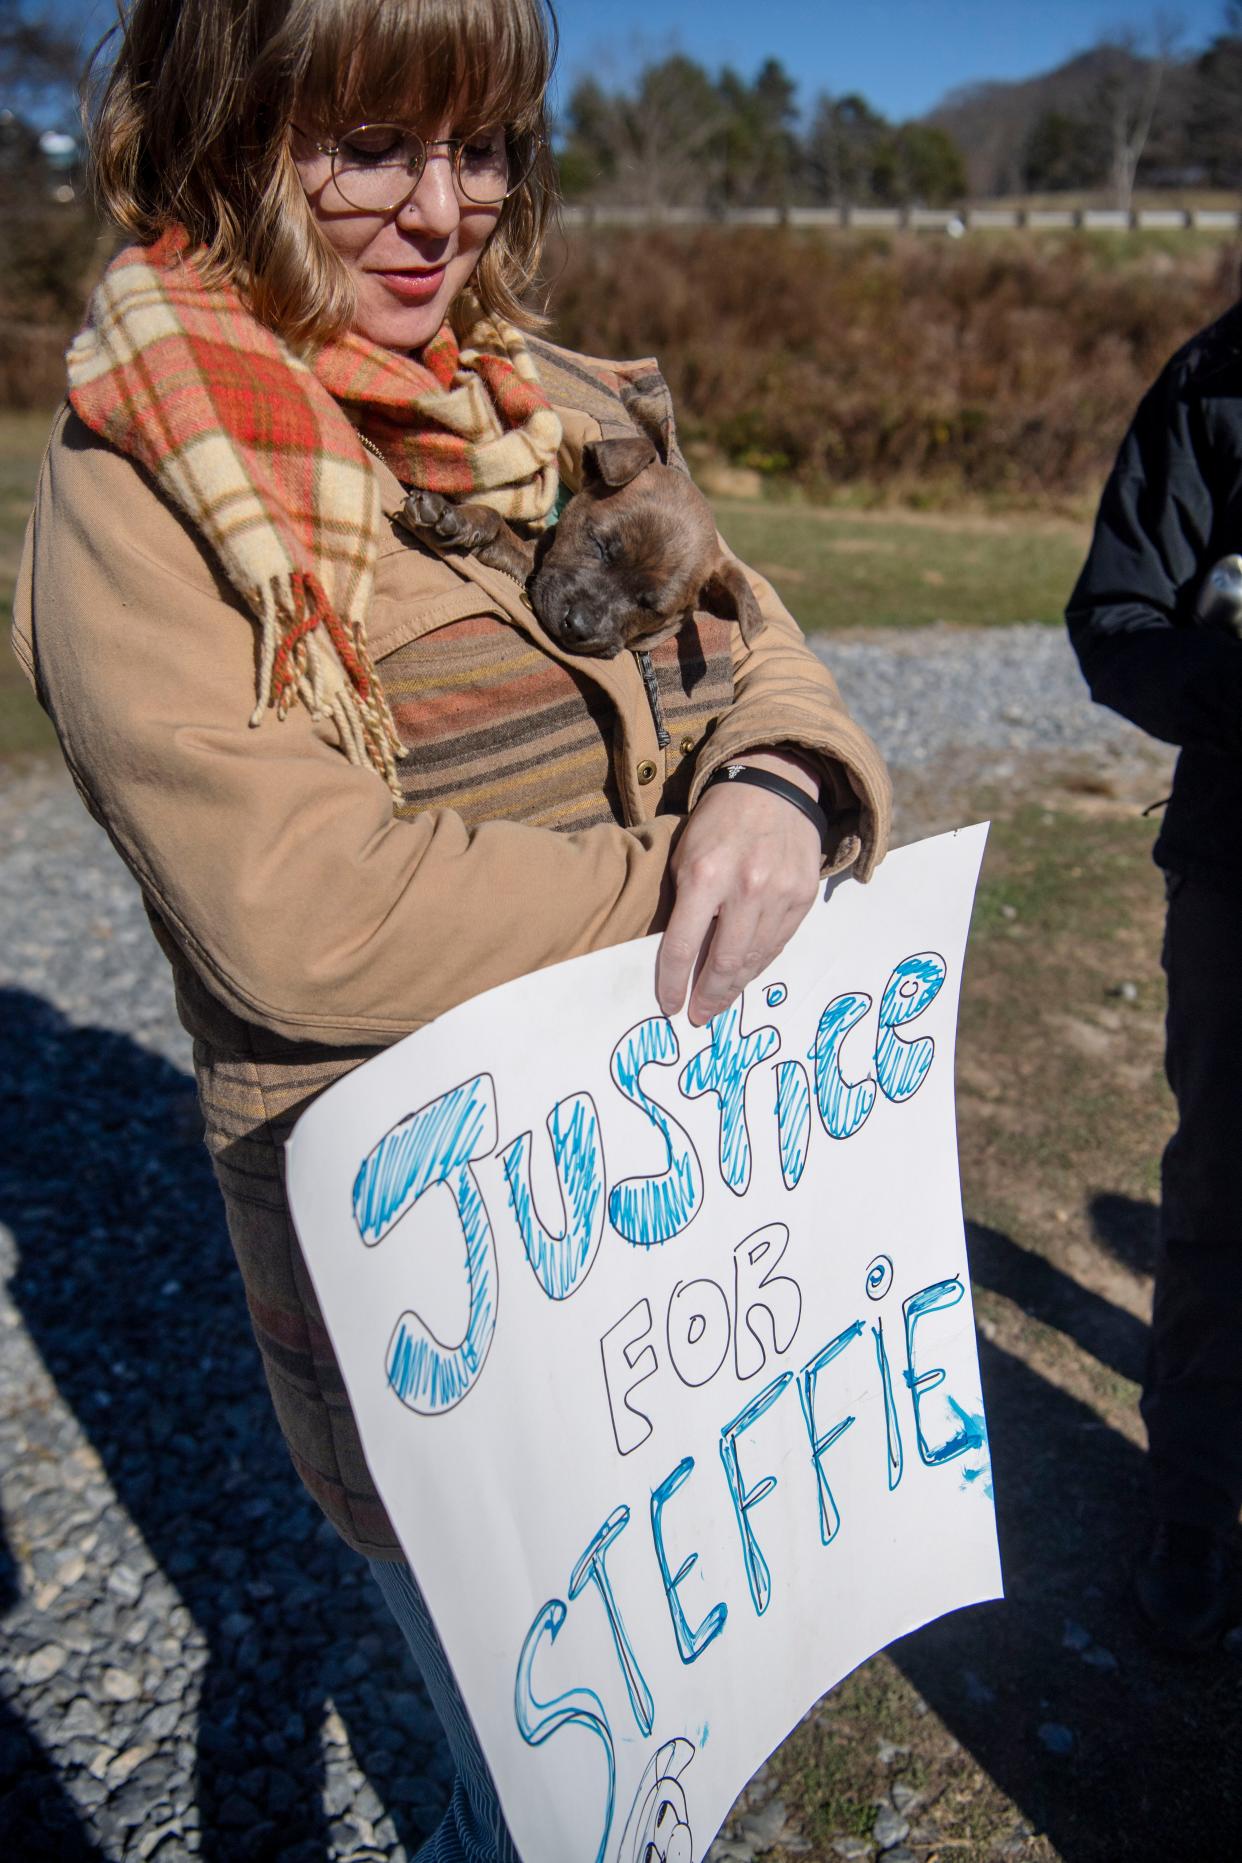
[(609, 464), (727, 592)]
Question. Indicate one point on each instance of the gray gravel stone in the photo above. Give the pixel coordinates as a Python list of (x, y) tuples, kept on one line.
[(162, 1721), (120, 1685), (765, 1826), (164, 1840), (124, 1583), (45, 1663), (889, 1828), (997, 693)]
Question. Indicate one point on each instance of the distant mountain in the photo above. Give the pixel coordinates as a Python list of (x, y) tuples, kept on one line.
[(993, 123)]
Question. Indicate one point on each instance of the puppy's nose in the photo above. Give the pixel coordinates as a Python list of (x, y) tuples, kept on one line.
[(577, 623)]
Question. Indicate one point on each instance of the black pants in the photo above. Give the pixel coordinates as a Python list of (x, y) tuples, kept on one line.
[(1192, 1394)]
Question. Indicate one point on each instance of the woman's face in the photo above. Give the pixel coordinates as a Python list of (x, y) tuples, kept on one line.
[(410, 263)]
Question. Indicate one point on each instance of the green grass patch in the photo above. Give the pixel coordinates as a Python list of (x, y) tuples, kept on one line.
[(1052, 873), (24, 729), (1060, 1041), (835, 568)]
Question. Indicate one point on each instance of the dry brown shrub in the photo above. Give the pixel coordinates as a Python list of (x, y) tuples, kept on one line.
[(908, 366), (32, 365), (52, 254)]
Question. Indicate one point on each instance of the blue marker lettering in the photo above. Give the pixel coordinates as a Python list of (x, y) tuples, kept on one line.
[(892, 1428), (563, 1259), (690, 1643), (591, 1570), (578, 1707), (648, 1210), (721, 1068), (843, 1105), (901, 1066), (758, 1577), (436, 1146), (822, 1441), (969, 1435), (793, 1120)]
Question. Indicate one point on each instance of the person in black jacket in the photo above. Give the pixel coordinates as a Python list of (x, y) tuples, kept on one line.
[(1171, 511)]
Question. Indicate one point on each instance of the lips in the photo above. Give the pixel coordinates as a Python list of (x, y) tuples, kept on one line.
[(412, 287)]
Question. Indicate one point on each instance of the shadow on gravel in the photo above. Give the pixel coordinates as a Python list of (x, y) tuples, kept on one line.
[(32, 1801), (1108, 1747), (127, 1285)]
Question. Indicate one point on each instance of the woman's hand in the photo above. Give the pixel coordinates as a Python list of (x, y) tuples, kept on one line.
[(746, 870)]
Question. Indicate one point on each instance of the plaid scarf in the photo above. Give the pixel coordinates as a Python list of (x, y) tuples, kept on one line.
[(259, 449)]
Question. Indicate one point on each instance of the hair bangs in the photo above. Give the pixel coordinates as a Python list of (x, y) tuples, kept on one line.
[(426, 63), (190, 127)]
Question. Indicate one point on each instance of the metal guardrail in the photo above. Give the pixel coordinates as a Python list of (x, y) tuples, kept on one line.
[(920, 219)]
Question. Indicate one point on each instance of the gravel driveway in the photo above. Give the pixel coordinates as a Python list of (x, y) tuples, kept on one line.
[(193, 1665)]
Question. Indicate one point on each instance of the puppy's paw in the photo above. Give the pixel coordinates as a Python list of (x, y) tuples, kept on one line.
[(431, 513), (475, 530)]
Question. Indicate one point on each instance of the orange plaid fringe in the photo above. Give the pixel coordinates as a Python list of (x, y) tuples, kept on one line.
[(259, 449)]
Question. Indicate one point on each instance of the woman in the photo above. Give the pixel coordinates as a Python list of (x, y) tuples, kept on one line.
[(336, 207)]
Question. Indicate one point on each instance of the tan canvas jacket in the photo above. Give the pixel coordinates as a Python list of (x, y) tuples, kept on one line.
[(308, 921)]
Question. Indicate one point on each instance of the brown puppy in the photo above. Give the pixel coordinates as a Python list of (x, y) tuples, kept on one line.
[(633, 555)]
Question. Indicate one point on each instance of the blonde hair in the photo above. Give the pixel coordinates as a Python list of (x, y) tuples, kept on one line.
[(191, 126)]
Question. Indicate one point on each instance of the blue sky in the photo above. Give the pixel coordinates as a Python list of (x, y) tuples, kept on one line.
[(903, 55)]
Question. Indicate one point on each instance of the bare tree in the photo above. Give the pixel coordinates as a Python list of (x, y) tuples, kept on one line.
[(1130, 94), (657, 145), (668, 138)]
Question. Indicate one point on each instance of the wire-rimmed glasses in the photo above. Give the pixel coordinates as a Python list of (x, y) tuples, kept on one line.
[(377, 166)]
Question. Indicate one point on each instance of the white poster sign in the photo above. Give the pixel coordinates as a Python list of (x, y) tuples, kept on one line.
[(660, 1342)]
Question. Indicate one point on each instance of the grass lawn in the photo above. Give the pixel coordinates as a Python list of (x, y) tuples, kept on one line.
[(838, 568)]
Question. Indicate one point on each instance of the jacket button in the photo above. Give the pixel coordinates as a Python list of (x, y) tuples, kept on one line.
[(646, 771), (687, 745)]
